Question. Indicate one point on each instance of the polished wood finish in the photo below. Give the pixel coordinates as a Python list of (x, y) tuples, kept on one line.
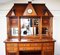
[(43, 41), (31, 14)]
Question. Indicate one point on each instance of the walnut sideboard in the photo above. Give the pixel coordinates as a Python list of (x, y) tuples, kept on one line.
[(45, 47)]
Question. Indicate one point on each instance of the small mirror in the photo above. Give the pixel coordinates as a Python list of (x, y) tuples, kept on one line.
[(14, 31)]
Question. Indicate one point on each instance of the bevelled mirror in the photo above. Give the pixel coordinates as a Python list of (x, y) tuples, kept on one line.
[(29, 26), (26, 27)]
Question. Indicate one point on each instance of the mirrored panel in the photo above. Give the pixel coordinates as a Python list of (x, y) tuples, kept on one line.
[(29, 26), (44, 31), (26, 27), (36, 25), (14, 31), (36, 21)]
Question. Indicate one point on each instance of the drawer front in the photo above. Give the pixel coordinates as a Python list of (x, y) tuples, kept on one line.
[(48, 46), (29, 48), (24, 44), (30, 45), (12, 47), (48, 52), (36, 44), (12, 44)]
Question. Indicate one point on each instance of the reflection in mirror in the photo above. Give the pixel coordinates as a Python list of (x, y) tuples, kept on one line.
[(36, 23), (14, 31), (35, 30), (29, 26), (26, 27), (44, 30)]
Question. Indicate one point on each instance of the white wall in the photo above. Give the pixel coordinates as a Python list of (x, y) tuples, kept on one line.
[(53, 6)]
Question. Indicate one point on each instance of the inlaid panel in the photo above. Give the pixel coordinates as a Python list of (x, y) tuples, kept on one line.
[(12, 44), (30, 44), (48, 46), (12, 47), (29, 48)]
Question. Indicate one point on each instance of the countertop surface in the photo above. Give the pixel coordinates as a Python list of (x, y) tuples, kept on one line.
[(29, 40)]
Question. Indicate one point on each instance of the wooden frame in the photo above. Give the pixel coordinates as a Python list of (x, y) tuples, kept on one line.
[(44, 43)]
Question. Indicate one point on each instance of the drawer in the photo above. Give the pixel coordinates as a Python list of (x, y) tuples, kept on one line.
[(24, 44), (36, 44), (48, 48), (29, 48), (48, 52), (48, 44), (30, 44), (11, 44), (11, 49)]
